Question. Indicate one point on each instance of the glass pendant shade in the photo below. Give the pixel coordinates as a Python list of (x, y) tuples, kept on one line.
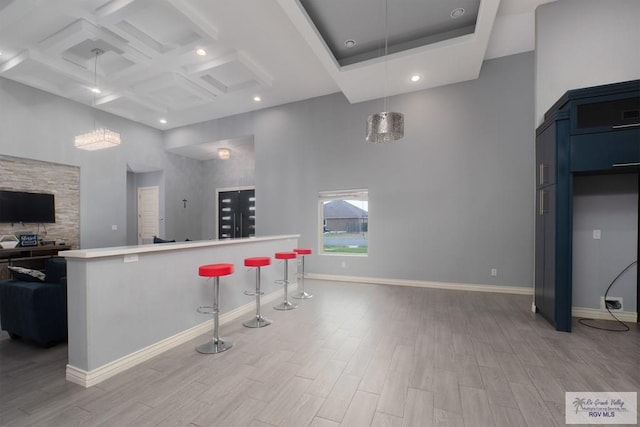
[(97, 140), (385, 127)]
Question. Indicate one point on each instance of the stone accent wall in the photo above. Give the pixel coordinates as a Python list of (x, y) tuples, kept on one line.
[(63, 181)]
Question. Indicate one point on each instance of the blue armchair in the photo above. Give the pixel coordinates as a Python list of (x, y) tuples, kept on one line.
[(36, 311)]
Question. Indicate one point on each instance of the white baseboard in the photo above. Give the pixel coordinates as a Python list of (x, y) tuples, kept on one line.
[(96, 376), (594, 313), (475, 287)]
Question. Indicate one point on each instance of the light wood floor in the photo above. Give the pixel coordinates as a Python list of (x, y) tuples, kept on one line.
[(353, 355)]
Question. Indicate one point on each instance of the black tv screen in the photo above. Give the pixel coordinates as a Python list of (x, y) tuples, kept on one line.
[(20, 206)]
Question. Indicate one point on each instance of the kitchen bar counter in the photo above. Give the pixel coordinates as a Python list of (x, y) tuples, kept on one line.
[(128, 304)]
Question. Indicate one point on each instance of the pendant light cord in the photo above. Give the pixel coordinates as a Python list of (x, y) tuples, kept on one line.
[(95, 86), (95, 89), (386, 45)]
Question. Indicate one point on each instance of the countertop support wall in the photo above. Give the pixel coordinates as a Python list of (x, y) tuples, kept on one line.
[(124, 300)]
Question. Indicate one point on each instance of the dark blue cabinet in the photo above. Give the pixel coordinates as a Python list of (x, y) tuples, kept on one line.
[(606, 151), (587, 131)]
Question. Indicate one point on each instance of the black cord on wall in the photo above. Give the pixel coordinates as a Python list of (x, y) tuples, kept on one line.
[(625, 328)]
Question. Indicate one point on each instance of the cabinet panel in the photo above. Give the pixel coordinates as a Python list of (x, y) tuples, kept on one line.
[(546, 157), (606, 112), (605, 151), (545, 252)]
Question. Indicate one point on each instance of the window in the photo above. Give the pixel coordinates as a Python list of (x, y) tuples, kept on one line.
[(344, 222)]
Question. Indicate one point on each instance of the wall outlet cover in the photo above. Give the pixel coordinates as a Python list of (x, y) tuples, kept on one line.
[(611, 303)]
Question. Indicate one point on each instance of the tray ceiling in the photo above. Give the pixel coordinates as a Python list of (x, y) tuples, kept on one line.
[(279, 50)]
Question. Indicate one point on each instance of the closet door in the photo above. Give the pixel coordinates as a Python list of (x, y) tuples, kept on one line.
[(236, 214)]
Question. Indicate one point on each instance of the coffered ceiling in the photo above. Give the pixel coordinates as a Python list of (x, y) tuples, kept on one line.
[(278, 50)]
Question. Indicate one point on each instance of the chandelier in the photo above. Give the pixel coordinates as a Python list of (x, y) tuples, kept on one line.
[(98, 138), (385, 126)]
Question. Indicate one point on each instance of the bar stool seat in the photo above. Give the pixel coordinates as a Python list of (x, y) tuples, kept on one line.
[(301, 253), (215, 271), (285, 256), (259, 261), (258, 321)]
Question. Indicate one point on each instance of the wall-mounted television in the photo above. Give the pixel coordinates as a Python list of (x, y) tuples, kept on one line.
[(21, 206)]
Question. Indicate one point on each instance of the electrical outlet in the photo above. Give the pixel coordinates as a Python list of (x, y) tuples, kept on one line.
[(494, 272), (597, 234), (613, 303)]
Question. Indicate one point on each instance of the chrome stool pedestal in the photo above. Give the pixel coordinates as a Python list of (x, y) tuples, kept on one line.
[(285, 304), (302, 294), (258, 321), (217, 344)]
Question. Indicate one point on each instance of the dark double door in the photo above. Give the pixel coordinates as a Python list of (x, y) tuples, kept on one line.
[(236, 214)]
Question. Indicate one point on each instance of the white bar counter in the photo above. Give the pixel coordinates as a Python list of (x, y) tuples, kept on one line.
[(128, 304)]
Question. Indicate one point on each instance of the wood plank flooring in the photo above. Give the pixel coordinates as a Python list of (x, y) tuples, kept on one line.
[(354, 355)]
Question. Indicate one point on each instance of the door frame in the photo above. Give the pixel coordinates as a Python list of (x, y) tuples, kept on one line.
[(217, 205), (138, 192)]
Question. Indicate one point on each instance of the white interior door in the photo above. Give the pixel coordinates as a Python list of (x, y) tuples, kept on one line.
[(148, 214)]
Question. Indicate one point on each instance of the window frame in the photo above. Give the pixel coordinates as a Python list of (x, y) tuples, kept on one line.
[(325, 196)]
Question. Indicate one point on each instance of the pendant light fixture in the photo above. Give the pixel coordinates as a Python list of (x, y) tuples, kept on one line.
[(98, 138), (385, 126)]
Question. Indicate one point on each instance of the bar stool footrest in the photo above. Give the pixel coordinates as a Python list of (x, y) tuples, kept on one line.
[(207, 309), (253, 293)]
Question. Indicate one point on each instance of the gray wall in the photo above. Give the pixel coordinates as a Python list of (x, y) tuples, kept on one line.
[(237, 171), (41, 126), (448, 202), (608, 203), (583, 43)]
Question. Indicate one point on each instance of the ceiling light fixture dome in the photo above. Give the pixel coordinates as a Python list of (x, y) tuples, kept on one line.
[(224, 153), (415, 78), (457, 12)]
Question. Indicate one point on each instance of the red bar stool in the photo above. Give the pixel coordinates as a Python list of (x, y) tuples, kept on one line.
[(301, 253), (286, 256), (217, 344), (258, 321)]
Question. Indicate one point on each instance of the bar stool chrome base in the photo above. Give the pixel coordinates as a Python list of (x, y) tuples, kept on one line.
[(257, 322), (284, 306), (214, 347), (302, 295), (301, 252)]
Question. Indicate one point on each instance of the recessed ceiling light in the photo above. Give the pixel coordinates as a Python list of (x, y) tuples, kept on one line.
[(201, 52), (163, 121), (349, 43), (415, 78), (96, 90), (457, 12), (257, 98)]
